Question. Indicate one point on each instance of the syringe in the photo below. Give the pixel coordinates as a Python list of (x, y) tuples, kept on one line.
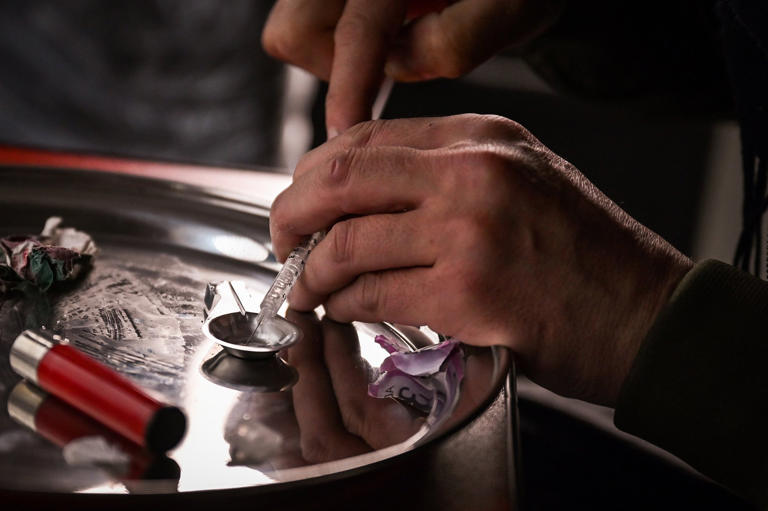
[(294, 265), (285, 279)]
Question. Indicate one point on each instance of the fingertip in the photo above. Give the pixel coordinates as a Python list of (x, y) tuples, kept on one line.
[(300, 306), (347, 104), (338, 308), (281, 228), (279, 248), (340, 115), (283, 244), (394, 68), (398, 68), (335, 315)]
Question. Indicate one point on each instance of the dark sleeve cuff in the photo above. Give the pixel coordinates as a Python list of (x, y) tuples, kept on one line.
[(699, 385)]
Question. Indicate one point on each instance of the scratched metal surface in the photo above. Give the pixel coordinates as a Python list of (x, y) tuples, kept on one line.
[(139, 310)]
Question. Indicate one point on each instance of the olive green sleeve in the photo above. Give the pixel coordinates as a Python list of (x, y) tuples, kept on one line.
[(699, 385)]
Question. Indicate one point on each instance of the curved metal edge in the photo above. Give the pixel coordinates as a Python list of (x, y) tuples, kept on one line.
[(210, 195), (513, 439), (503, 356), (344, 467), (363, 463), (262, 350), (15, 182), (355, 465)]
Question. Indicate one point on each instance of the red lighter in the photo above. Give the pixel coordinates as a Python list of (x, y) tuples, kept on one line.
[(97, 390)]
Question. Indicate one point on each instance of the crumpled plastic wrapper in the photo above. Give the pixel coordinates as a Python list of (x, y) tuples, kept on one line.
[(421, 377), (55, 255)]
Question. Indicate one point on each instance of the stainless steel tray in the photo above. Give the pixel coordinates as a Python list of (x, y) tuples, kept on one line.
[(252, 424)]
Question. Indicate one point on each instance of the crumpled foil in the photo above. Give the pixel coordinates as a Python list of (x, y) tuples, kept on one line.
[(55, 255)]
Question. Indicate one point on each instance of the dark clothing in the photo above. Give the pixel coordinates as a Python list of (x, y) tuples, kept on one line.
[(176, 79), (658, 52), (699, 385)]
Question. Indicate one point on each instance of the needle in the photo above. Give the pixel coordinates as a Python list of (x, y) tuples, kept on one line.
[(381, 98), (237, 299), (294, 265)]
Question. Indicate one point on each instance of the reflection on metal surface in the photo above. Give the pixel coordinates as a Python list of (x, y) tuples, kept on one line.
[(139, 312), (336, 417), (219, 242), (265, 375), (86, 443), (240, 247), (110, 487)]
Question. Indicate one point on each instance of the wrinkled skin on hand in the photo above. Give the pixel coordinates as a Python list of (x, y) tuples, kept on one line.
[(470, 225), (353, 43)]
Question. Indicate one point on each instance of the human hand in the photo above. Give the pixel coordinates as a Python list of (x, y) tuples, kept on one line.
[(353, 43), (470, 225)]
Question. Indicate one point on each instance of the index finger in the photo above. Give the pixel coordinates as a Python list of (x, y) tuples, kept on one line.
[(355, 182), (362, 40)]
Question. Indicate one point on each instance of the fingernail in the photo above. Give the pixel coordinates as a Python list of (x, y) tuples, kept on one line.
[(332, 132)]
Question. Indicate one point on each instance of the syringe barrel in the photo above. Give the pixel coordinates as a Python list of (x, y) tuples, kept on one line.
[(289, 274)]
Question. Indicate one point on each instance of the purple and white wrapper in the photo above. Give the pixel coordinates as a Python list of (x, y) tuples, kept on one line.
[(427, 379)]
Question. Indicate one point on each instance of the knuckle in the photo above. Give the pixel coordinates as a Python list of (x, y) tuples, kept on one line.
[(502, 127), (485, 127), (489, 166), (314, 450), (478, 171), (362, 134), (469, 118), (351, 414), (340, 168), (371, 295), (342, 241)]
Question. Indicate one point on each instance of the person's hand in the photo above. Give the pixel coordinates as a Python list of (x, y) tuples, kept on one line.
[(352, 43), (469, 225)]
